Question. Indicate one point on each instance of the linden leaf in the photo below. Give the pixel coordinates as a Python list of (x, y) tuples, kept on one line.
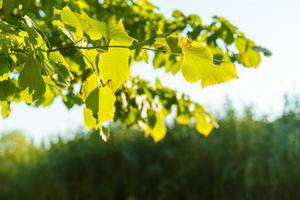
[(5, 109), (48, 98), (91, 58), (72, 19), (183, 119), (93, 28), (204, 122), (89, 85), (116, 32), (114, 67), (198, 65), (4, 69), (30, 77), (101, 102), (248, 56), (159, 131), (8, 89), (89, 119), (27, 96)]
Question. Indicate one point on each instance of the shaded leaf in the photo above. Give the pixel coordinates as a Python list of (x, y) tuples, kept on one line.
[(30, 77)]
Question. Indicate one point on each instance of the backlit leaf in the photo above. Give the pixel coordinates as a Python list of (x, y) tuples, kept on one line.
[(114, 67), (159, 131), (4, 70), (198, 65), (72, 19), (93, 28), (5, 108), (101, 102), (248, 55), (89, 85), (116, 32), (89, 120), (204, 122)]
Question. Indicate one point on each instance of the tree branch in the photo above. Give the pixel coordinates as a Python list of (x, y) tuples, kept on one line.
[(105, 47)]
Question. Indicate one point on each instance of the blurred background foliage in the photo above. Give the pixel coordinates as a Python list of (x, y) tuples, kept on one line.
[(246, 158)]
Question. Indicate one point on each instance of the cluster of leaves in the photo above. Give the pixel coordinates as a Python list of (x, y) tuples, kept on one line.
[(62, 49)]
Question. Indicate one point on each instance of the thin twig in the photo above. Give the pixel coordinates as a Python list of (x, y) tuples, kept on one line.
[(105, 47)]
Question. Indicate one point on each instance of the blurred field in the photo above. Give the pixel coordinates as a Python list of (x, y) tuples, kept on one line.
[(246, 158)]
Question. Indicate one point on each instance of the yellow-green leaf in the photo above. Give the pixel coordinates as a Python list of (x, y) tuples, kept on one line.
[(5, 108), (89, 120), (27, 96), (247, 56), (159, 131), (91, 58), (204, 121), (72, 19), (101, 102), (47, 98), (198, 65), (183, 119), (89, 85), (117, 33), (114, 67), (250, 58), (4, 72), (93, 28)]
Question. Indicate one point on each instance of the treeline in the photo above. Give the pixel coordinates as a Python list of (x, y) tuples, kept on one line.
[(246, 158)]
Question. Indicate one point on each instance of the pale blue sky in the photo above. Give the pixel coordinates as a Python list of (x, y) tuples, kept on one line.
[(271, 23)]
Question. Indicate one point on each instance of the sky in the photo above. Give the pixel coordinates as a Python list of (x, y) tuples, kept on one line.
[(270, 23)]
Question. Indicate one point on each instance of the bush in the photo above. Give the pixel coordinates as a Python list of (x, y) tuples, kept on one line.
[(244, 159)]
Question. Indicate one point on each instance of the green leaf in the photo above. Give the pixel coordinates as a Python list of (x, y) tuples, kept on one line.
[(54, 63), (265, 51), (204, 122), (183, 119), (144, 55), (30, 77), (198, 65), (72, 19), (248, 56), (173, 64), (5, 108), (27, 96), (47, 98), (159, 60), (89, 120), (159, 131), (93, 28), (89, 85), (91, 58), (4, 69), (7, 90), (116, 32), (114, 67), (101, 102)]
